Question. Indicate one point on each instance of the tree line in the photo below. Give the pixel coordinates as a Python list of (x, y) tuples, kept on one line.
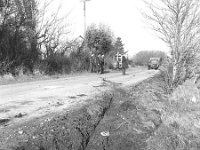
[(142, 57), (29, 41)]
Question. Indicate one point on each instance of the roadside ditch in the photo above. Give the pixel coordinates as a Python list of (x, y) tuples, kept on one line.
[(119, 119)]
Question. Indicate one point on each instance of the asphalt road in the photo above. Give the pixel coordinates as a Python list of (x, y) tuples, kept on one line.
[(35, 99)]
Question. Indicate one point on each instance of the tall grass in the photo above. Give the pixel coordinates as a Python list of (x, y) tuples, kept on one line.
[(181, 120)]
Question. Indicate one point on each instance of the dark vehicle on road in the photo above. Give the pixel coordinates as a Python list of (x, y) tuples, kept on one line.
[(154, 63)]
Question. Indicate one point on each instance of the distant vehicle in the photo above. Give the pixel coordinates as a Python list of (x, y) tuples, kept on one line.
[(154, 63), (117, 63)]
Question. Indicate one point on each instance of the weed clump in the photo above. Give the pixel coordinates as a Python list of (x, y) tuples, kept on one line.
[(180, 129)]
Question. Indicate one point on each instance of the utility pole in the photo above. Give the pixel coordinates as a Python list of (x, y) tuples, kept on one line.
[(84, 9)]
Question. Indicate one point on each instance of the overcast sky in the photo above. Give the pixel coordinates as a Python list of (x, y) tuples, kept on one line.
[(122, 16)]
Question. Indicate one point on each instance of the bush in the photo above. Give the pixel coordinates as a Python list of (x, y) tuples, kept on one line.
[(166, 73), (57, 64), (80, 61), (109, 62), (62, 64)]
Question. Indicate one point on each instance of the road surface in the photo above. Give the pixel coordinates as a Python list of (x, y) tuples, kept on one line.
[(35, 99)]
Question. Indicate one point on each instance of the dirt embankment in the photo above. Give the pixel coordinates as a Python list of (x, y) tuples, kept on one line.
[(119, 120)]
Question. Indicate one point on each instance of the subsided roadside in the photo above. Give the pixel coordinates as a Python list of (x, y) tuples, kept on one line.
[(142, 117), (118, 119)]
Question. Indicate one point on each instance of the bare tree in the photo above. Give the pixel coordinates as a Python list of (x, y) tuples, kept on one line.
[(52, 29), (177, 23)]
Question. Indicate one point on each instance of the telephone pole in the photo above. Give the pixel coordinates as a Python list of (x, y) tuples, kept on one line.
[(84, 9)]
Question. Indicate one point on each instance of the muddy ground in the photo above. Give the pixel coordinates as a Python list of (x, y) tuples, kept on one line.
[(121, 119)]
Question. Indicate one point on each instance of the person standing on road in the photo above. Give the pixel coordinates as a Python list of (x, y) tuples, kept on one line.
[(124, 65), (92, 63), (98, 68), (101, 63)]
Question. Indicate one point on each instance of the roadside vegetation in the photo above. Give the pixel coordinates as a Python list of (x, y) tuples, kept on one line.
[(35, 41)]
